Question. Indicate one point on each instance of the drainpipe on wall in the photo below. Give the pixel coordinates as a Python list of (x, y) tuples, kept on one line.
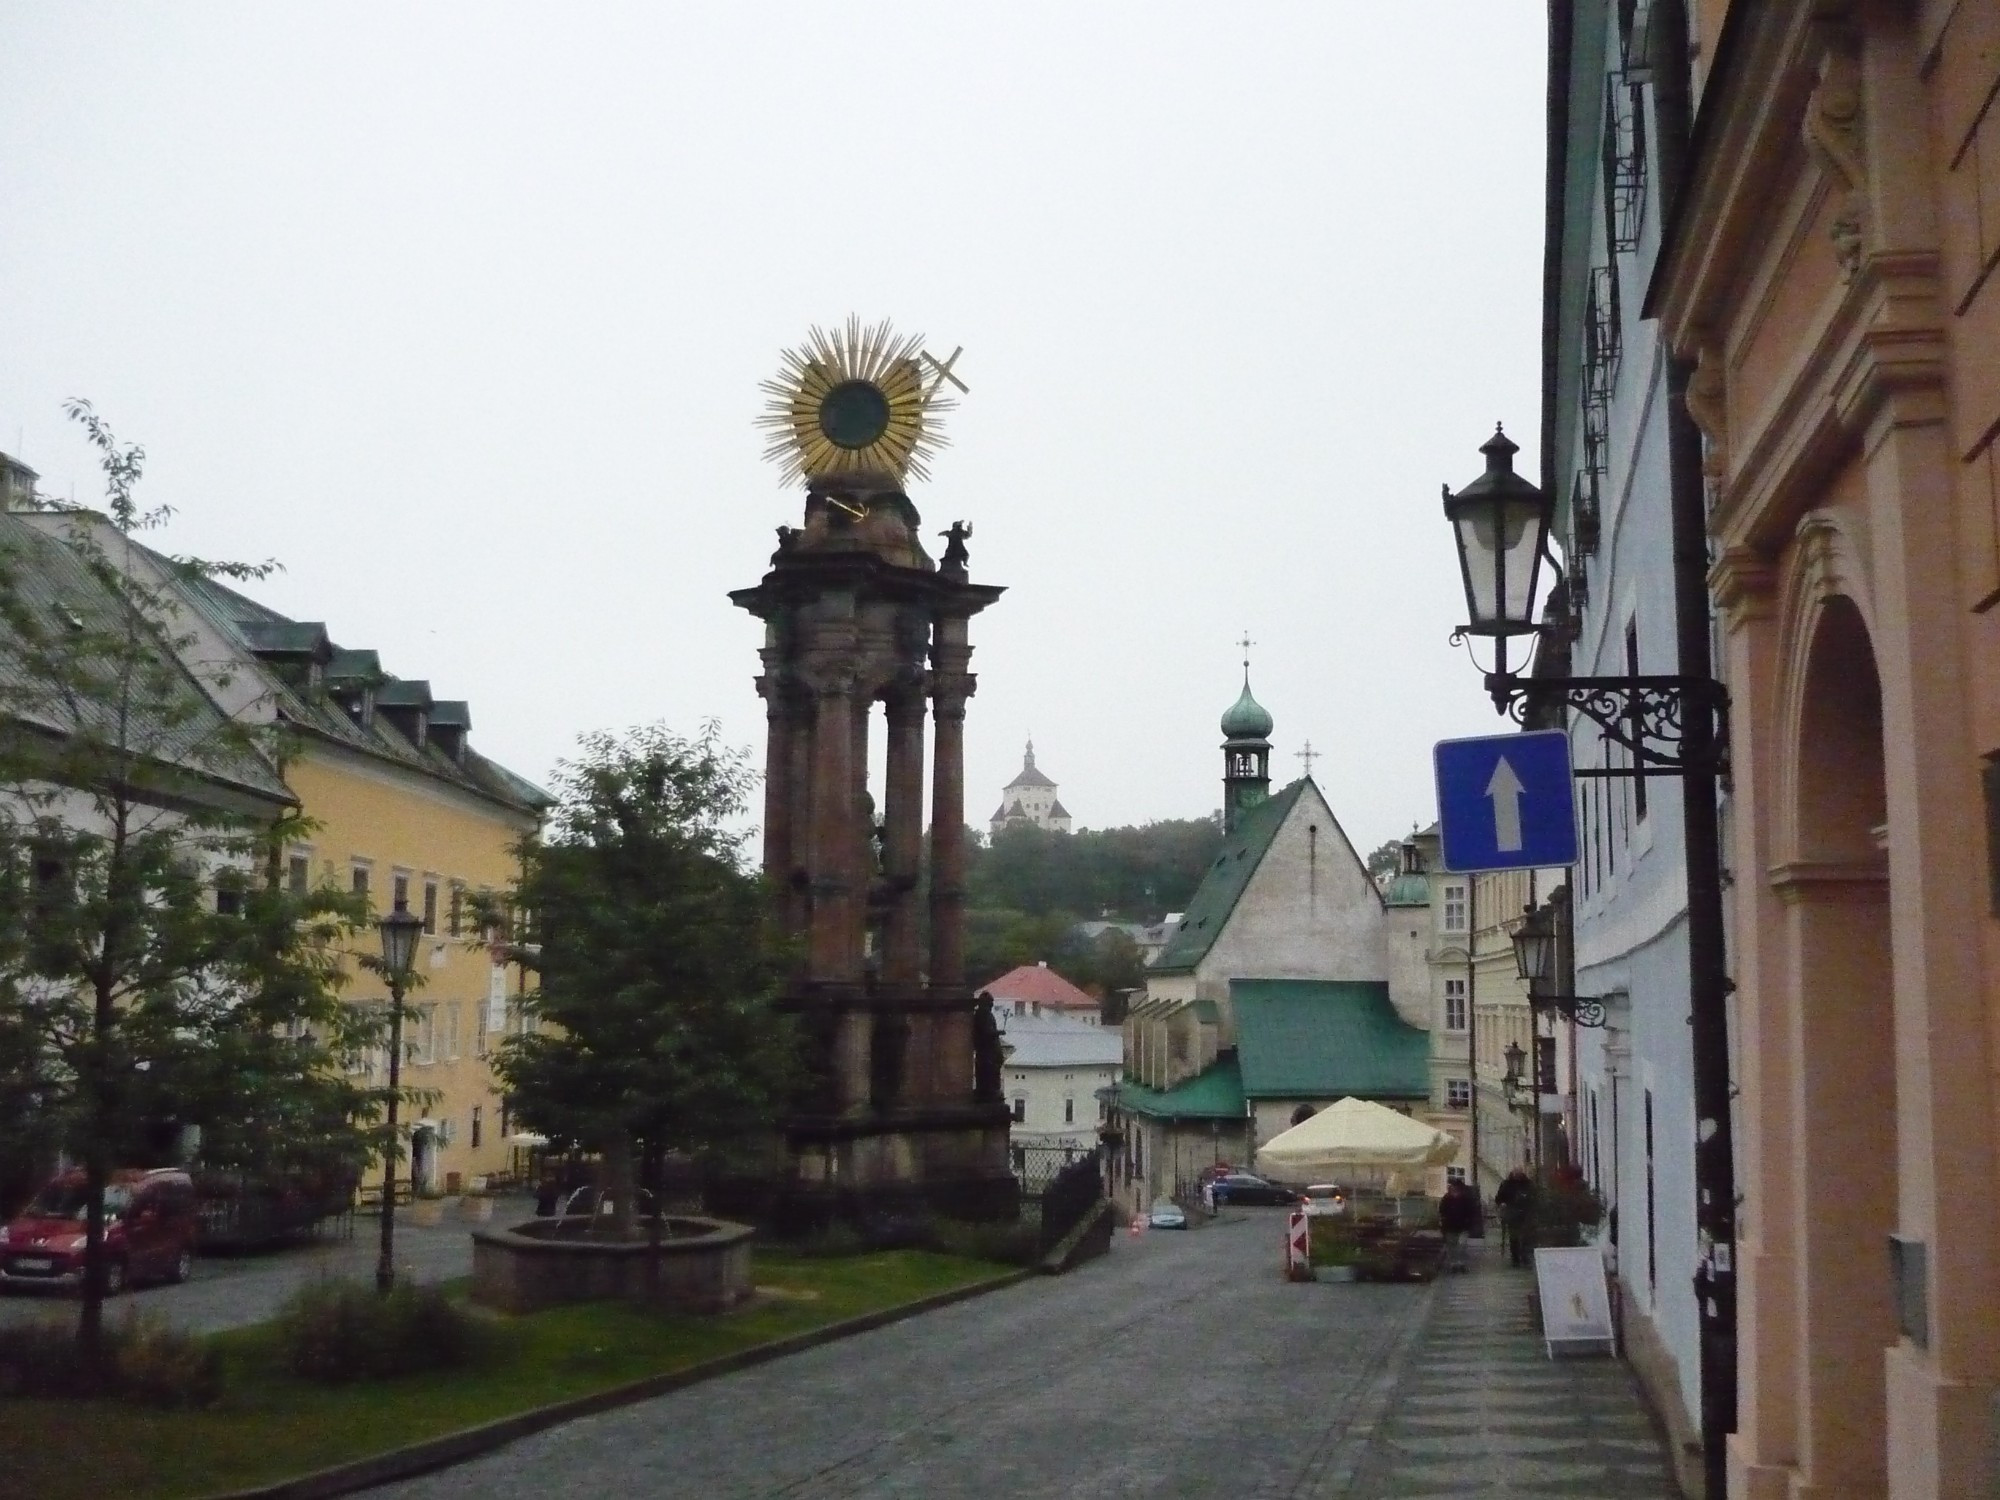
[(1708, 980)]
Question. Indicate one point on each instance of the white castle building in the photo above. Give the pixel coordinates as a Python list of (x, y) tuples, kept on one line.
[(1030, 800)]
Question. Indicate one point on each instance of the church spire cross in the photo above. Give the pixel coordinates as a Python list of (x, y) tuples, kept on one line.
[(1309, 755), (1246, 643)]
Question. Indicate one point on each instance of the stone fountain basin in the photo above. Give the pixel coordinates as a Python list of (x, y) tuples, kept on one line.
[(700, 1266)]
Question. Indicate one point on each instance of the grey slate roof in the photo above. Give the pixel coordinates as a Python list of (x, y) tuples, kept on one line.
[(1058, 1042), (323, 717), (192, 736)]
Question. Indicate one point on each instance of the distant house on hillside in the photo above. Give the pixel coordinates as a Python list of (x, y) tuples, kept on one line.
[(1038, 990)]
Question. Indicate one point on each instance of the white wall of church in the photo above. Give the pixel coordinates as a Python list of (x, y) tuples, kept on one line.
[(1311, 911)]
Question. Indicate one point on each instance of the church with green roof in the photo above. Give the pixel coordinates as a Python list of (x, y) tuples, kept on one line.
[(1288, 984)]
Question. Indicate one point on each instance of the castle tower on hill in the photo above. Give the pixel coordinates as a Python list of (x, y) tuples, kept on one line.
[(1030, 801)]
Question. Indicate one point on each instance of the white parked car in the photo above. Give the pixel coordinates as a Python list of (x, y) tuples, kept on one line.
[(1167, 1214), (1325, 1200)]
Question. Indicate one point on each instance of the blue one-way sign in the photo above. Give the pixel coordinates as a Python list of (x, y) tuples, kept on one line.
[(1506, 802)]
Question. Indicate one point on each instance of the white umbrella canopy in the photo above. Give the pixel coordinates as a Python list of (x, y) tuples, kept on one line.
[(1355, 1134)]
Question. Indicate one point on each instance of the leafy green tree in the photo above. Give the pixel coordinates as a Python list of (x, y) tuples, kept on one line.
[(144, 961), (655, 959), (1386, 859)]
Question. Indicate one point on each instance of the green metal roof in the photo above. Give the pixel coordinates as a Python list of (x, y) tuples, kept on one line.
[(1213, 1094), (1247, 719), (1411, 889), (1316, 1038), (1225, 881)]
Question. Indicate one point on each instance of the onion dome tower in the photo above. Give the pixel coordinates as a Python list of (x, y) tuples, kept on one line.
[(1246, 753)]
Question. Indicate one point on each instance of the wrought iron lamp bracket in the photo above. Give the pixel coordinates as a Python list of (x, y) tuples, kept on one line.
[(1647, 715), (1584, 1010)]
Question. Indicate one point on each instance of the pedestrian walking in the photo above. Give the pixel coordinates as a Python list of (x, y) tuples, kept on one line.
[(1458, 1216), (1516, 1202)]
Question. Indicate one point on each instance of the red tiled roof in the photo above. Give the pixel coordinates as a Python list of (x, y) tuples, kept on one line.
[(1038, 982)]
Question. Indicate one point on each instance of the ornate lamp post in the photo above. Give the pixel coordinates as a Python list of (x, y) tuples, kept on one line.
[(1671, 726), (399, 932)]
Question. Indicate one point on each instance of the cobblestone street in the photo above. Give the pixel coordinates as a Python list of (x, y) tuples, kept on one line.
[(1182, 1365)]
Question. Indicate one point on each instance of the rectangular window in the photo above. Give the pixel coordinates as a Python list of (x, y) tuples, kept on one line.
[(1454, 1174), (1454, 908), (1458, 1093), (228, 899), (298, 874), (1069, 1111), (448, 1041), (420, 1034), (399, 893), (430, 906), (1020, 1109), (360, 879), (475, 1126), (1454, 1005), (456, 920)]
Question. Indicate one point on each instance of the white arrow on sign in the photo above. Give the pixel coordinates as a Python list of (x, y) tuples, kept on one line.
[(1504, 787)]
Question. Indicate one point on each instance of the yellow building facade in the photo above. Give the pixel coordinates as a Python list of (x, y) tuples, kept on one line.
[(395, 831), (402, 807)]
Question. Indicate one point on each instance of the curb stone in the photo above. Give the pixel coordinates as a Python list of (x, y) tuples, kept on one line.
[(472, 1442)]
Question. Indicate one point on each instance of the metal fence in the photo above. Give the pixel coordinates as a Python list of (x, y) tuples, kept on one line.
[(1035, 1167)]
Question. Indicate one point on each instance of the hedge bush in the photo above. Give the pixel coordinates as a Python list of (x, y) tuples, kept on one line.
[(336, 1331), (145, 1361)]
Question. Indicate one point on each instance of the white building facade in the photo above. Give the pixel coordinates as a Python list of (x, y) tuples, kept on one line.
[(1606, 458)]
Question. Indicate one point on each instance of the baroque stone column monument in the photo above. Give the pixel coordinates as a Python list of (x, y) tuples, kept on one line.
[(900, 1113)]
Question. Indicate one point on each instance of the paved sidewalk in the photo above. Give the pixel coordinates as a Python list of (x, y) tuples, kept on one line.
[(1481, 1410)]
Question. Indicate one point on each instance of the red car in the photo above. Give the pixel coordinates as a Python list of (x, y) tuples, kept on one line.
[(150, 1223)]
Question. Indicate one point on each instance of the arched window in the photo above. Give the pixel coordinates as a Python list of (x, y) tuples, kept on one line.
[(1302, 1114)]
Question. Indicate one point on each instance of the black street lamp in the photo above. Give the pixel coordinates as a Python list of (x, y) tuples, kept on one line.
[(1501, 525), (1536, 958), (399, 931), (1670, 726), (1512, 1080)]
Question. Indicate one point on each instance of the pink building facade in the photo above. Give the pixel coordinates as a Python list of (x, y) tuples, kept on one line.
[(1830, 277)]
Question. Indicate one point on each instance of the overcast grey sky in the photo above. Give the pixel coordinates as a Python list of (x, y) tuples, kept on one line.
[(459, 312)]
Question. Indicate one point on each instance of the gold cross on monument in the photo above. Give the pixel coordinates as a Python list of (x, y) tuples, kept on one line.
[(943, 371), (1309, 755)]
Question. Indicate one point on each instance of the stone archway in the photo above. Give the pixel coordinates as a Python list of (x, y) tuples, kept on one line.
[(1836, 890)]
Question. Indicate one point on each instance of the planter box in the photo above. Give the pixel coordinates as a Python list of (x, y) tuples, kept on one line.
[(1334, 1273)]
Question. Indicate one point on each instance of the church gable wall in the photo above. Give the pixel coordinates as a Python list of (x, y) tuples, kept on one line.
[(1310, 912)]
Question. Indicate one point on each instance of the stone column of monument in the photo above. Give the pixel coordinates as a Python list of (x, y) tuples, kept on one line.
[(785, 730), (902, 844), (951, 686)]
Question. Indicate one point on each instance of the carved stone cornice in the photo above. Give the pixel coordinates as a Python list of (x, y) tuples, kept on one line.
[(1822, 879), (1744, 584)]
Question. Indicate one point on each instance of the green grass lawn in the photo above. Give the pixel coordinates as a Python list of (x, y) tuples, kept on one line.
[(270, 1425)]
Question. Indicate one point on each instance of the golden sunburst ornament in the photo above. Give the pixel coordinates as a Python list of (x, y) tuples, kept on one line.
[(857, 401)]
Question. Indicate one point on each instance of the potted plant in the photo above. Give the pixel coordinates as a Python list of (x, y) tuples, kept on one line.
[(1565, 1206), (1335, 1252)]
